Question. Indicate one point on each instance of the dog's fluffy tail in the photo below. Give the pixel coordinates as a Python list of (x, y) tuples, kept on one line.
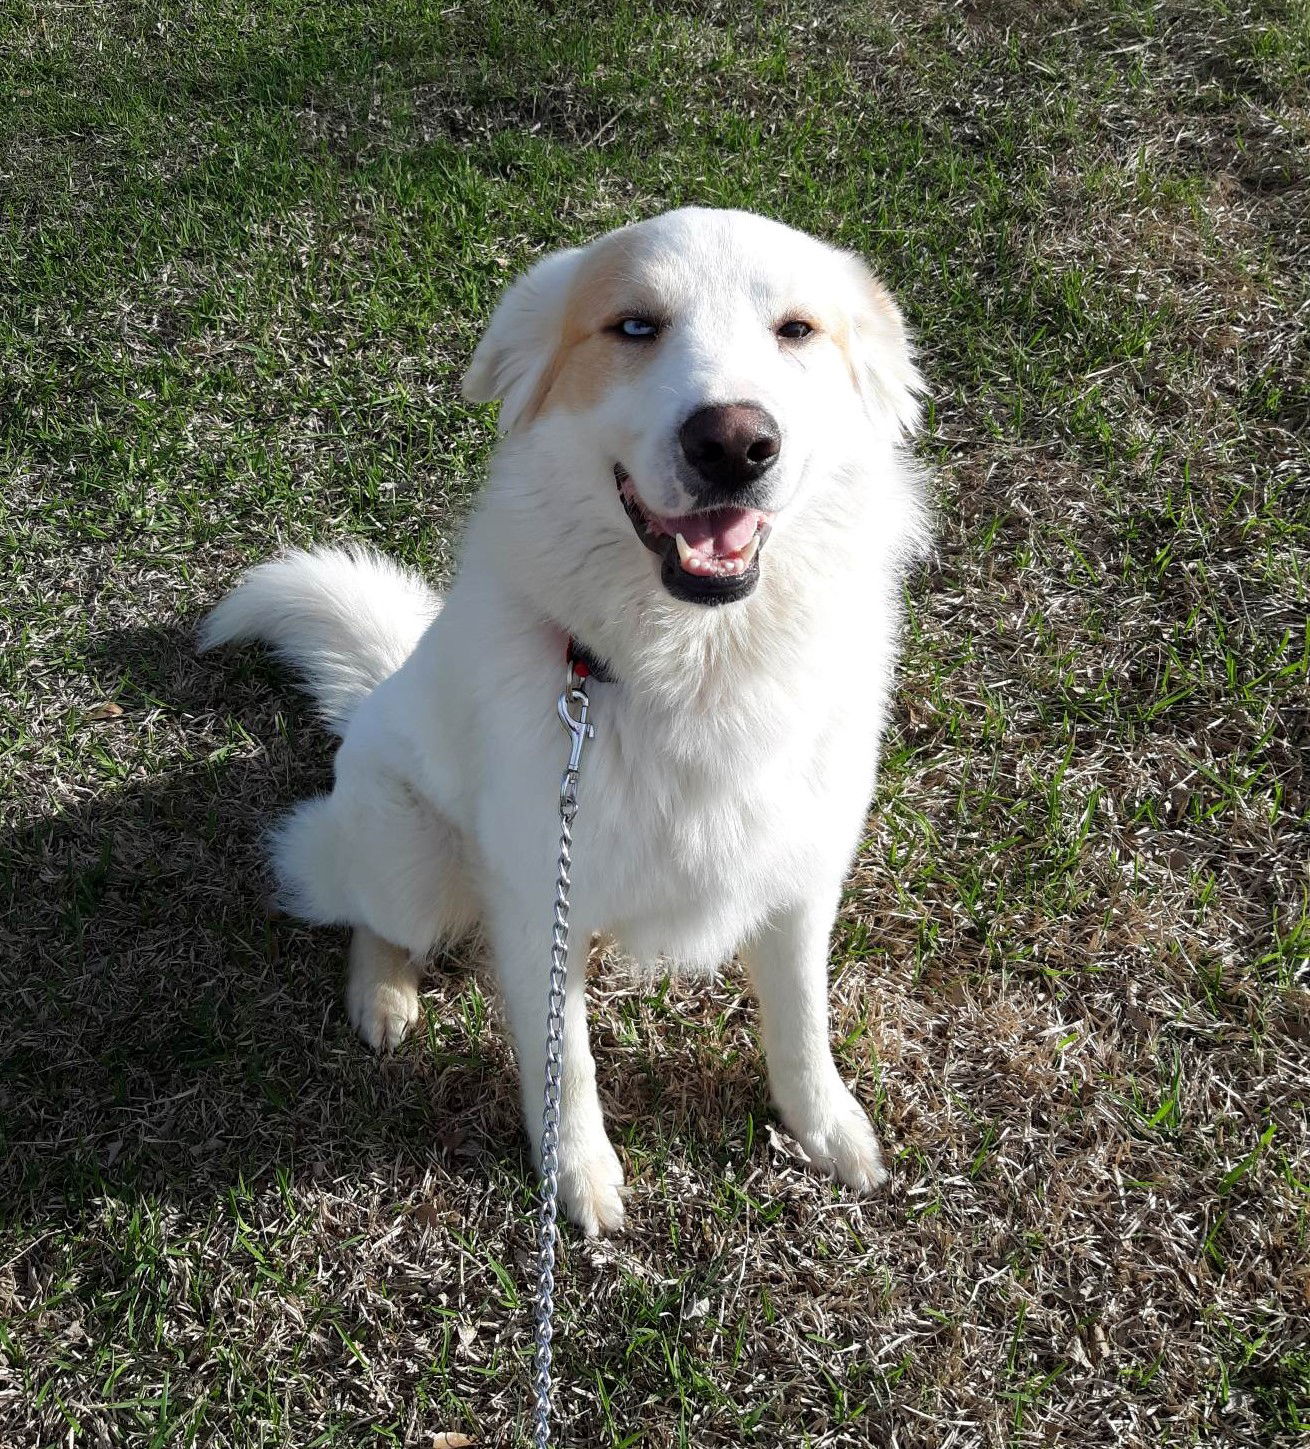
[(345, 618)]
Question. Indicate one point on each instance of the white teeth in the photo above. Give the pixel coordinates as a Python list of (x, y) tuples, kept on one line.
[(695, 563)]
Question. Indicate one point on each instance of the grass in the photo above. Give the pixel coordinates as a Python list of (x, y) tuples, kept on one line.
[(245, 250)]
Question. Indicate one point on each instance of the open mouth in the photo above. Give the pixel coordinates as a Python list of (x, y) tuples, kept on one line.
[(708, 558)]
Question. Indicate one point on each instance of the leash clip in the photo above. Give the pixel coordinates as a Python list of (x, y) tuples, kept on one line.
[(580, 731)]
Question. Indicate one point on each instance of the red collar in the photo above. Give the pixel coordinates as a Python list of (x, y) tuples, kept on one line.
[(587, 665)]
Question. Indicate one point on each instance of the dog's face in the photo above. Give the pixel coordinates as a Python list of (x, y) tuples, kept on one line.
[(708, 365)]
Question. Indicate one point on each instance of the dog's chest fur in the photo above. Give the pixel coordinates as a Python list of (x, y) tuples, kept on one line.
[(699, 823)]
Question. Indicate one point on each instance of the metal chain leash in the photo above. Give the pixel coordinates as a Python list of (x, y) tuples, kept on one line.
[(580, 731)]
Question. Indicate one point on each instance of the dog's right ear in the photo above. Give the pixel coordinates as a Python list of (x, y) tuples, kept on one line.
[(514, 359)]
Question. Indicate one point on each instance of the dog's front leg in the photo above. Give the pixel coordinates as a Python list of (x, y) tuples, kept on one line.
[(590, 1174), (788, 963)]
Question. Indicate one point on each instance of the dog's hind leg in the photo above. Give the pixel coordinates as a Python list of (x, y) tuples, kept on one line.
[(381, 990), (374, 856)]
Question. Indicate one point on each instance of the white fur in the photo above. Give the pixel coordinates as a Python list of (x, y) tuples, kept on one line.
[(345, 617), (726, 788)]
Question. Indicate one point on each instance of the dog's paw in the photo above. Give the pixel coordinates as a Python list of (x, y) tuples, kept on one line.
[(382, 1012), (591, 1188), (838, 1140)]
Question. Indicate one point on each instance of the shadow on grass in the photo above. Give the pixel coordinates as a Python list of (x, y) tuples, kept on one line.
[(161, 1033)]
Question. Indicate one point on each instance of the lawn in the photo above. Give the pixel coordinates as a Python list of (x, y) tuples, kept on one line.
[(246, 248)]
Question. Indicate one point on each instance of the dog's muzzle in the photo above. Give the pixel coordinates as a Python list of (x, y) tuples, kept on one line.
[(709, 557)]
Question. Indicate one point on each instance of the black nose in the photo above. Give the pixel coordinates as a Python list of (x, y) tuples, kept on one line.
[(730, 446)]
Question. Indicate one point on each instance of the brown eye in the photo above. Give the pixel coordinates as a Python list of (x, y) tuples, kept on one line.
[(795, 330)]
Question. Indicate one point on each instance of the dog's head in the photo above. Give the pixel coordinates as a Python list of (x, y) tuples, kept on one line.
[(704, 366)]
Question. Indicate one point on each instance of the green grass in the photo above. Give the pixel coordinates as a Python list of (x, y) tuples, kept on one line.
[(245, 251)]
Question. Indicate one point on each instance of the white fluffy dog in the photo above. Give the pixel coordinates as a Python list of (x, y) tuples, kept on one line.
[(701, 482)]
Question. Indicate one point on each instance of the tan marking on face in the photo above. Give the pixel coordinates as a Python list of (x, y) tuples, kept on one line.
[(838, 328), (588, 359), (882, 319)]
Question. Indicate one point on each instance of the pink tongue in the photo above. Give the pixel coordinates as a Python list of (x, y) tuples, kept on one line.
[(726, 530)]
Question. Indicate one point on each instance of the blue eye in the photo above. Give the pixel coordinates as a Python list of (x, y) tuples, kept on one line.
[(638, 327)]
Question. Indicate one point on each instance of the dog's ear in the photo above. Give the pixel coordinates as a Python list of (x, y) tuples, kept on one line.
[(882, 356), (513, 360)]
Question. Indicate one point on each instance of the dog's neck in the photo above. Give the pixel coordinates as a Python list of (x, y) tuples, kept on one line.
[(733, 661)]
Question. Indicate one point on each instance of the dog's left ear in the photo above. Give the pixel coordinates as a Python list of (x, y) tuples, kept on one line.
[(513, 360), (882, 354)]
